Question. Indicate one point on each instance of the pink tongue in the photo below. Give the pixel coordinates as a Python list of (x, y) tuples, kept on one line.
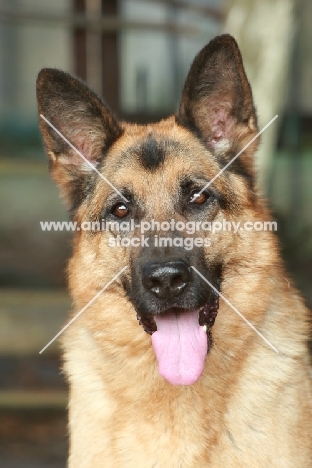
[(180, 345)]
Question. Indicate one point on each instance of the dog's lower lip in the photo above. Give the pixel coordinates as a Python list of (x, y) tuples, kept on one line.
[(148, 323)]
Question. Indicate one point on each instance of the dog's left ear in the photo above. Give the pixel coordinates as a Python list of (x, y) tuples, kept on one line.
[(80, 116), (217, 101)]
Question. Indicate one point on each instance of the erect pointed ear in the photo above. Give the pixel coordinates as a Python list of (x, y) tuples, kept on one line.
[(217, 101), (84, 120)]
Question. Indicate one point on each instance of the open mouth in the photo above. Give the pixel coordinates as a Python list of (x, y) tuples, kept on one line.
[(181, 340), (206, 316)]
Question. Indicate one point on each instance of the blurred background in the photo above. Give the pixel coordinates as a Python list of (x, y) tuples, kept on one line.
[(135, 53)]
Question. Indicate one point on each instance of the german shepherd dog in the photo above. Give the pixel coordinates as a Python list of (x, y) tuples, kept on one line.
[(162, 371)]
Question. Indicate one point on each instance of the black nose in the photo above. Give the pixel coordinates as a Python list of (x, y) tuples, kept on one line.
[(166, 280)]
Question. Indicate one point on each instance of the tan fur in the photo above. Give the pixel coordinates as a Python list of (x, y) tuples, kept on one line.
[(122, 413), (251, 407)]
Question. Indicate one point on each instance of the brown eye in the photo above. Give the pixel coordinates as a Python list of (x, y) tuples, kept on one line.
[(198, 198), (120, 210)]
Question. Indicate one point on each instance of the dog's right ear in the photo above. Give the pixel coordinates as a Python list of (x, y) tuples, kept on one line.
[(84, 120), (217, 103)]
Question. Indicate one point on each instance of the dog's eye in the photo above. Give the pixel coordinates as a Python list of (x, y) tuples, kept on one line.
[(198, 198), (120, 210)]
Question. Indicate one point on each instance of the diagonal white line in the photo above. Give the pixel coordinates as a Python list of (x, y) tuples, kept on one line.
[(82, 156), (233, 159), (237, 311), (83, 309)]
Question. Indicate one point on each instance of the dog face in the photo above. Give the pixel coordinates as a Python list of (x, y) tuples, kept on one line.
[(159, 173)]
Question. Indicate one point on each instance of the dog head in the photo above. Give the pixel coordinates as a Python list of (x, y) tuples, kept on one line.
[(171, 174)]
